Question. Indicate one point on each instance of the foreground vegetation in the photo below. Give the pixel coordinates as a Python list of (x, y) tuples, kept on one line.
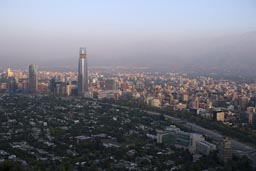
[(43, 134)]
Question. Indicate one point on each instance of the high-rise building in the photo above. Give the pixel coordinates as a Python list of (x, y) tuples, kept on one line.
[(9, 72), (12, 85), (218, 115), (225, 150), (251, 118), (254, 100), (82, 73), (196, 103), (110, 84), (33, 78)]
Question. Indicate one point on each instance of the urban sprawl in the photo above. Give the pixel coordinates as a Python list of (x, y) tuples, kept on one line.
[(116, 118)]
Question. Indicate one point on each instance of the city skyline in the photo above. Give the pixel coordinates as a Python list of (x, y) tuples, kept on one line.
[(213, 102), (171, 85)]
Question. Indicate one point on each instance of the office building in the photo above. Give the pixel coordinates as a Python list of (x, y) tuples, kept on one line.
[(174, 136), (9, 72), (33, 78), (82, 73), (225, 150), (251, 118), (204, 147), (218, 116), (110, 84), (12, 85)]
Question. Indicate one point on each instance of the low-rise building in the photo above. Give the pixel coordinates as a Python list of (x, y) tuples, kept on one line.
[(204, 147), (174, 136)]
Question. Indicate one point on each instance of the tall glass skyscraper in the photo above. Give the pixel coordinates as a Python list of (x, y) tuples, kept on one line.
[(33, 78), (82, 73)]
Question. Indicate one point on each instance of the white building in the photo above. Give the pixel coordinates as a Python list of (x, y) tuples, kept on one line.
[(204, 147)]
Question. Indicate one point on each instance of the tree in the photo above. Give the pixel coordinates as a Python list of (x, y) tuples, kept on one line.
[(11, 166)]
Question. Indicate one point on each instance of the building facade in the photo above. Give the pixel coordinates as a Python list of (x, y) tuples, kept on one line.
[(225, 150), (82, 73), (33, 78), (204, 147), (218, 116), (174, 136)]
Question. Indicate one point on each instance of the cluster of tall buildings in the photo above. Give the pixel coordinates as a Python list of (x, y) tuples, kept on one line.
[(79, 87), (82, 86), (217, 99), (30, 84)]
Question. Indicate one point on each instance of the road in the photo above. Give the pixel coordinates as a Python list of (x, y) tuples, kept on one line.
[(238, 147)]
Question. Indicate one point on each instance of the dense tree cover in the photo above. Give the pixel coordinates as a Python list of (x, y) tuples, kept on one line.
[(182, 157), (11, 166), (238, 164), (127, 128)]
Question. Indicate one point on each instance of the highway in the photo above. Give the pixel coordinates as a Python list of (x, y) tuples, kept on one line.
[(238, 147)]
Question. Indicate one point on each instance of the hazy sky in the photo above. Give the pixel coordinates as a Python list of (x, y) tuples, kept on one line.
[(51, 31)]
